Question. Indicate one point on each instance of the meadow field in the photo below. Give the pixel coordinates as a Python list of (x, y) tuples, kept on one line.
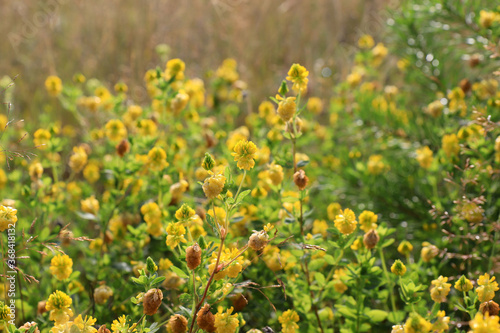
[(234, 166)]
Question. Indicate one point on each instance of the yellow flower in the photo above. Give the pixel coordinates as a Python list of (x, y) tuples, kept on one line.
[(320, 227), (298, 75), (147, 127), (115, 130), (288, 321), (405, 248), (179, 102), (315, 105), (59, 306), (428, 252), (366, 42), (4, 312), (213, 185), (90, 205), (367, 221), (176, 232), (53, 84), (230, 271), (440, 290), (417, 324), (375, 165), (345, 221), (120, 325), (61, 266), (35, 170), (485, 324), (450, 145), (424, 157), (398, 268), (245, 153), (91, 172), (379, 53), (441, 324), (333, 210), (85, 325), (463, 284), (157, 159), (286, 108), (102, 294), (225, 322), (435, 108), (175, 69), (184, 213), (41, 138), (275, 173), (8, 216), (78, 160), (486, 18), (487, 287)]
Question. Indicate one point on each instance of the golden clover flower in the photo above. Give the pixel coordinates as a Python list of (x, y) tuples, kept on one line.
[(179, 102), (286, 107), (147, 127), (175, 69), (398, 268), (102, 294), (368, 220), (440, 290), (245, 152), (417, 324), (405, 248), (4, 312), (463, 284), (176, 232), (78, 160), (8, 216), (121, 325), (487, 287), (441, 324), (225, 322), (484, 324), (184, 213), (450, 145), (288, 321), (333, 210), (61, 266), (53, 84), (298, 75), (487, 18), (157, 159), (366, 42), (424, 157), (115, 130), (41, 138), (275, 173), (346, 222), (227, 256), (90, 205), (85, 325), (428, 252), (59, 306), (213, 185)]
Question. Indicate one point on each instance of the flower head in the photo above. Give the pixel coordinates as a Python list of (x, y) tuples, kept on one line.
[(176, 232), (59, 306), (53, 84), (61, 266), (214, 185), (288, 321), (225, 322), (487, 287), (8, 216), (398, 268), (440, 290), (245, 153), (367, 221), (463, 284), (485, 324), (345, 221), (298, 75), (286, 108), (157, 159), (417, 324), (85, 325)]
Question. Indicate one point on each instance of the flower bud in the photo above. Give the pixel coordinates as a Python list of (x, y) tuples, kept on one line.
[(177, 324), (283, 88), (371, 239), (208, 162), (491, 307), (398, 268), (152, 301), (151, 266), (463, 284), (258, 240), (193, 256), (206, 319), (300, 179)]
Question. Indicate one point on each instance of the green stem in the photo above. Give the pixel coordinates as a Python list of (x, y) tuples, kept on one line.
[(389, 281)]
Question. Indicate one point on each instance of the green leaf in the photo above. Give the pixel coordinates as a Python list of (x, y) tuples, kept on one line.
[(179, 272), (301, 164), (376, 315), (396, 317), (320, 278), (158, 280), (388, 242)]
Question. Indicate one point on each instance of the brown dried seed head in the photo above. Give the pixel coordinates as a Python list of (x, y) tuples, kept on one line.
[(41, 307), (465, 85), (300, 179), (491, 307), (239, 302), (103, 329), (152, 301), (258, 240), (177, 324), (193, 256), (371, 239), (123, 147), (206, 319)]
